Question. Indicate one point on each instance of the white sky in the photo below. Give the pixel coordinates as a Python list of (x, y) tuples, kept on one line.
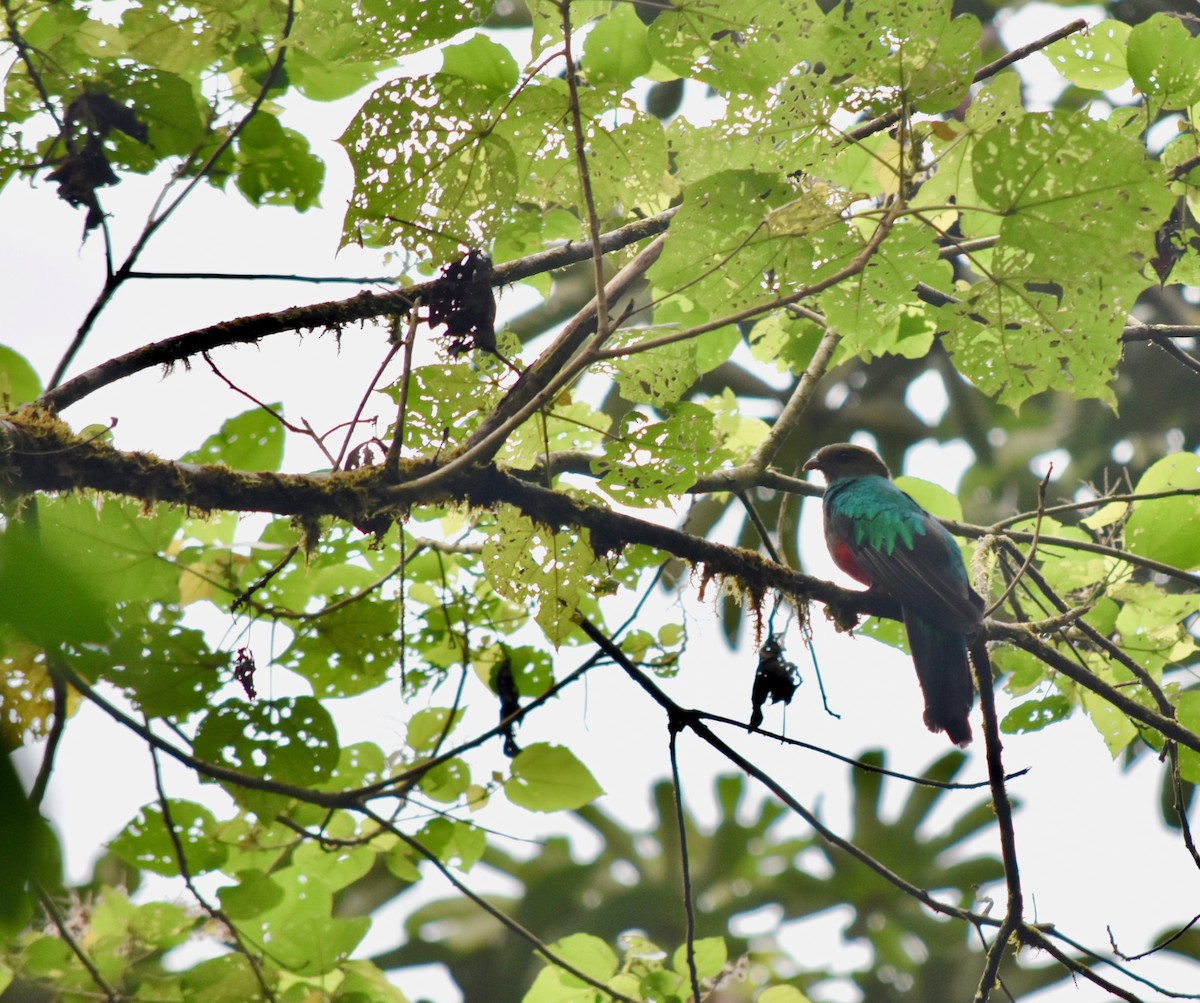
[(1092, 849)]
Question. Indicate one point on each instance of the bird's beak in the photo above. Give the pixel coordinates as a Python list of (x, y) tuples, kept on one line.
[(812, 464)]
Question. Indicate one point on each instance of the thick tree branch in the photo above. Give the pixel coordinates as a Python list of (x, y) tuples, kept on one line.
[(330, 315), (40, 454)]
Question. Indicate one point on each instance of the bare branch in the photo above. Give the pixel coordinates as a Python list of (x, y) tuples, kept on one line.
[(1013, 914), (585, 174), (330, 315), (64, 931), (503, 918), (117, 278)]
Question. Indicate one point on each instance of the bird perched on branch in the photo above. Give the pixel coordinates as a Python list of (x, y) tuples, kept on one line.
[(878, 535)]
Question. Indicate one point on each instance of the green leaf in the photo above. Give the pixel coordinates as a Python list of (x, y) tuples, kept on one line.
[(651, 464), (445, 404), (460, 844), (1187, 709), (254, 894), (170, 107), (1163, 58), (876, 311), (549, 778), (253, 440), (227, 979), (1034, 715), (146, 842), (1074, 196), (787, 342), (275, 166), (115, 548), (616, 51), (363, 982), (569, 424), (428, 727), (934, 498), (782, 994), (1163, 529), (337, 866), (291, 740), (447, 781), (1146, 609), (19, 384), (629, 167), (1115, 728), (710, 255), (482, 61), (656, 376), (290, 914), (347, 651), (49, 599), (401, 861), (435, 192), (167, 669), (1095, 58), (31, 851), (937, 63), (534, 566), (551, 986), (589, 954), (710, 957)]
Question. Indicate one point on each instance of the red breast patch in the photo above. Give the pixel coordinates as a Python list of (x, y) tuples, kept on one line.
[(844, 559)]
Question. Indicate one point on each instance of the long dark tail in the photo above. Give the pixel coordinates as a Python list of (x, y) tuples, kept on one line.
[(940, 656)]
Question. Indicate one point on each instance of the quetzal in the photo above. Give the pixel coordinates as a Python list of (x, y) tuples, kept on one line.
[(878, 535)]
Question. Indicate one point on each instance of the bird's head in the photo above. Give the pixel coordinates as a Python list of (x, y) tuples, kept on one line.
[(841, 460)]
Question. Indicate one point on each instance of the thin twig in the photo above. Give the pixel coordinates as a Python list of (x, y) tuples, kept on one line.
[(185, 872), (887, 120), (357, 280), (763, 533), (585, 175), (1031, 936), (57, 725), (1157, 947), (391, 463), (64, 931), (689, 906), (1181, 805), (246, 595), (35, 76), (1178, 354), (1013, 914), (305, 430), (362, 404), (1028, 562), (117, 278), (501, 917), (697, 726), (858, 764)]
